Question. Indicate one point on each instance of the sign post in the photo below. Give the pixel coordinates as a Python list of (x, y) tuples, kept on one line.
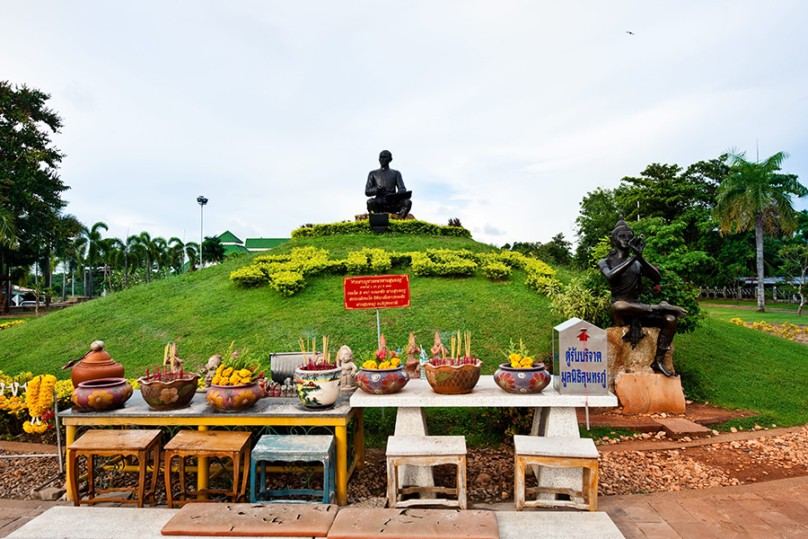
[(376, 292)]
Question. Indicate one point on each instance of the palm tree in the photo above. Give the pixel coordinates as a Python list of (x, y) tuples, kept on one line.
[(75, 251), (192, 252), (110, 254), (8, 232), (94, 245), (176, 255), (130, 256), (755, 196)]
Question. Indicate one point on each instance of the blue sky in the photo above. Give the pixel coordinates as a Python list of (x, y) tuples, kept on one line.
[(503, 115)]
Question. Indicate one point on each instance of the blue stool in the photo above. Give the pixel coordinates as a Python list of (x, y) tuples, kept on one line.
[(293, 448)]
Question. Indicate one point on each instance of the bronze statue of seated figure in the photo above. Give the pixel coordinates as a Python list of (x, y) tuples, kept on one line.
[(623, 268), (387, 189)]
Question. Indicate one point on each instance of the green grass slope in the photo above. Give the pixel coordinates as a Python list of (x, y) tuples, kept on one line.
[(203, 312)]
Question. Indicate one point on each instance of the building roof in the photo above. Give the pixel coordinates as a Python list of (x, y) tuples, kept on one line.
[(229, 249), (264, 243), (229, 237)]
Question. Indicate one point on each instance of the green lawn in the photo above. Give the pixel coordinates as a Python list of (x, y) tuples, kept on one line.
[(751, 303), (747, 315)]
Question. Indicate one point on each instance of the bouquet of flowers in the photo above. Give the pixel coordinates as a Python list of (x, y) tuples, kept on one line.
[(237, 369), (519, 358), (384, 358)]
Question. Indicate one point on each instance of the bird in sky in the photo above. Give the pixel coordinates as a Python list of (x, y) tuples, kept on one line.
[(632, 33)]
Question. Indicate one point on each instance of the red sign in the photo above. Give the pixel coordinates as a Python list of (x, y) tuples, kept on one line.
[(378, 292)]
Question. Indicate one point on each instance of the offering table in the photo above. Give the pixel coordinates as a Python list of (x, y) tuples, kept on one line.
[(266, 412), (554, 416)]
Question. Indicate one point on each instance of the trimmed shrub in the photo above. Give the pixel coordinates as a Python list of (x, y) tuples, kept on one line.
[(287, 283), (496, 271)]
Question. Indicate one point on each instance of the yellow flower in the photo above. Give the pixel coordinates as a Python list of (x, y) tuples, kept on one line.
[(385, 365), (216, 380), (100, 399), (219, 369), (234, 380), (395, 362), (515, 357), (227, 372), (245, 373), (370, 364)]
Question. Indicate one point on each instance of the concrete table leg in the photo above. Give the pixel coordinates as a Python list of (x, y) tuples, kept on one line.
[(562, 422), (412, 422)]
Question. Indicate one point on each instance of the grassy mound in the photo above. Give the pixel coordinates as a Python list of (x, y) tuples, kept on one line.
[(204, 312)]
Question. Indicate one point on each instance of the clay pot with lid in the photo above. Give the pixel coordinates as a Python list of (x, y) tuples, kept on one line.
[(95, 364)]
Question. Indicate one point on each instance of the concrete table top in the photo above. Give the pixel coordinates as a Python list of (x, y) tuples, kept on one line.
[(419, 394)]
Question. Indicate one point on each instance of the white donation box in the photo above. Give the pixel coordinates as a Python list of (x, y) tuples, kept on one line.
[(579, 358)]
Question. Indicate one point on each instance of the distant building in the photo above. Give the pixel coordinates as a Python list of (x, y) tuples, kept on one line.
[(232, 244)]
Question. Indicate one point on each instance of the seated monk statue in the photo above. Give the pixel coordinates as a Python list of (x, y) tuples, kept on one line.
[(624, 268), (387, 188)]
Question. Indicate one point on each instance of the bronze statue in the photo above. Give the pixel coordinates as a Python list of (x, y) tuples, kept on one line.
[(624, 268), (387, 188)]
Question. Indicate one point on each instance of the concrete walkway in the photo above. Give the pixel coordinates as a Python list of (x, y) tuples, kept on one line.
[(771, 510)]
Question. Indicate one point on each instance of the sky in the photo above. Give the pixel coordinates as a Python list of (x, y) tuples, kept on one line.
[(501, 114)]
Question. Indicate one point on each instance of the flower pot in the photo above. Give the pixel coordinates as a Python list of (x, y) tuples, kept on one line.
[(381, 381), (528, 380), (234, 398), (171, 395), (318, 390), (453, 380), (101, 395)]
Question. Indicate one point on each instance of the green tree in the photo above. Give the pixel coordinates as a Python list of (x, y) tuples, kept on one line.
[(212, 250), (756, 196), (30, 187), (795, 266), (599, 213), (95, 246)]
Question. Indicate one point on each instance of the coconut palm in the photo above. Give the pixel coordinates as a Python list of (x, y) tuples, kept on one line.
[(8, 232), (130, 256), (192, 252), (755, 196), (176, 255), (94, 246), (75, 252)]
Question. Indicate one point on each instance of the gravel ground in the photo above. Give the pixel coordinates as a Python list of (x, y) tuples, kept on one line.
[(630, 465)]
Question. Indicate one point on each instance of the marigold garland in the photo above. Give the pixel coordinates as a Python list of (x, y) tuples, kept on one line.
[(39, 395)]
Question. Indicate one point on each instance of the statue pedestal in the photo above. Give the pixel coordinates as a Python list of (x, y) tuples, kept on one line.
[(638, 387), (643, 393)]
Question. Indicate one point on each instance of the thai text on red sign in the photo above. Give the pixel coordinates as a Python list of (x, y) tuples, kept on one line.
[(377, 292)]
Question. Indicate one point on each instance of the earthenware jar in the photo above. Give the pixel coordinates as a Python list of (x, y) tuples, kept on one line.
[(160, 395), (524, 380), (453, 379), (381, 381), (234, 398), (101, 395), (318, 390), (96, 363)]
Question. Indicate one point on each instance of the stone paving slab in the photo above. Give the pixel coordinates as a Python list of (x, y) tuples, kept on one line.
[(556, 525), (677, 427), (257, 520), (101, 523), (357, 523)]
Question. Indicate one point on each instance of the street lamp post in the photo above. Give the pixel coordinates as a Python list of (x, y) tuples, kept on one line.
[(202, 201)]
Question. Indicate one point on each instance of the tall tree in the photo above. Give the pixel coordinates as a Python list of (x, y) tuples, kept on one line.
[(756, 196), (94, 247), (30, 187)]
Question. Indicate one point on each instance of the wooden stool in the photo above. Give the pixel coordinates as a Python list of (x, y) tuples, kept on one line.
[(112, 443), (291, 448), (208, 443), (556, 453), (425, 451)]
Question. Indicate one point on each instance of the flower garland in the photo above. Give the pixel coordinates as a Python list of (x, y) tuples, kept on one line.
[(39, 398)]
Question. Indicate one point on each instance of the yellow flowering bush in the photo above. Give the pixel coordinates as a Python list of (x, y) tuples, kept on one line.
[(786, 330)]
